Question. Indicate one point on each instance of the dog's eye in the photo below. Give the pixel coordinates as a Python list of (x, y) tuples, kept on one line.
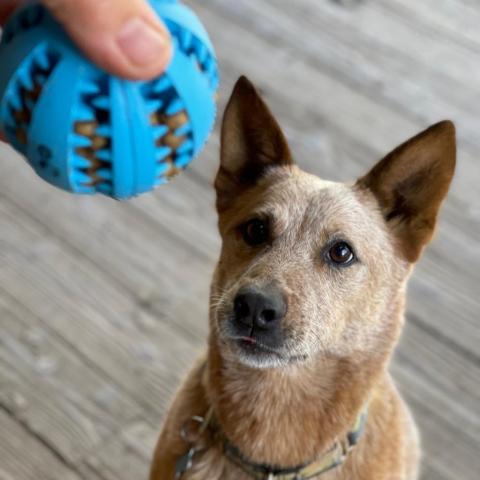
[(255, 232), (341, 254)]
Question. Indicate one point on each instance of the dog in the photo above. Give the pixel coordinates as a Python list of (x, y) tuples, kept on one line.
[(307, 304)]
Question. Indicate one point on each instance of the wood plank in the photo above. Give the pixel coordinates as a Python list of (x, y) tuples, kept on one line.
[(457, 21), (52, 391), (445, 447), (375, 52), (431, 472), (368, 52), (59, 289), (437, 374), (25, 458), (441, 387), (136, 260), (390, 34), (129, 454)]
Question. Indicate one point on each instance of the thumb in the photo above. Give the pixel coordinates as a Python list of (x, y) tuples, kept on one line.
[(124, 37), (6, 8)]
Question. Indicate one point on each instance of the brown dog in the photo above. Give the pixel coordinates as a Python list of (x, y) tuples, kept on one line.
[(307, 304)]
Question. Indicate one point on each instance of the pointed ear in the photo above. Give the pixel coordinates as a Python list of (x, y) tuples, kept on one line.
[(410, 184), (251, 142)]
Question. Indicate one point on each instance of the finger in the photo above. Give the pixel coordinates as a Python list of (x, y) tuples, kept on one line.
[(124, 37), (6, 9)]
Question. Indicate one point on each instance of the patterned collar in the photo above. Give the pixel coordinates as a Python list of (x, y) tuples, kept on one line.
[(257, 471)]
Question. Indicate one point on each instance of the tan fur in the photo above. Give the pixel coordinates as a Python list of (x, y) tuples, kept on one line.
[(341, 324)]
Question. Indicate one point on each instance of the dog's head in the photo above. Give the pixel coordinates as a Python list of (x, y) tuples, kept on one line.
[(310, 267)]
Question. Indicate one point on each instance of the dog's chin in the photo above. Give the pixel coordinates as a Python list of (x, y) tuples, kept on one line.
[(256, 355)]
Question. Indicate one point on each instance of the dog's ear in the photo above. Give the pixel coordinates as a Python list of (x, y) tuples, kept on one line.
[(251, 142), (410, 184)]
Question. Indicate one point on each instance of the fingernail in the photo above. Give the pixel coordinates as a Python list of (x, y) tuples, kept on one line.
[(141, 43)]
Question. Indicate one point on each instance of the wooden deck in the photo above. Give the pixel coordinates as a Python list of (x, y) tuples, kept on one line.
[(103, 304)]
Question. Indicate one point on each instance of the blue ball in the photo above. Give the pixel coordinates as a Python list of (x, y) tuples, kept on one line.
[(88, 132)]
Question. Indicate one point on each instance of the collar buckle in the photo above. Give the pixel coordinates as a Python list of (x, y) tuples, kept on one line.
[(345, 448)]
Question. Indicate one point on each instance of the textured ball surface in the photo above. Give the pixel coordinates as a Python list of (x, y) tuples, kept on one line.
[(86, 131)]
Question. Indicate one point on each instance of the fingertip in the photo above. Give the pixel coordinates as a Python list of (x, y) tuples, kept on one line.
[(108, 55), (123, 37), (7, 7), (146, 48)]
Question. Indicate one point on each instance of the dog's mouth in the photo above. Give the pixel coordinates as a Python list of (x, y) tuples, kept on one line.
[(253, 345), (253, 352), (256, 348)]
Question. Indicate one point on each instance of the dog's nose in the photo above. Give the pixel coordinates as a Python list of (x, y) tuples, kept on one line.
[(262, 309)]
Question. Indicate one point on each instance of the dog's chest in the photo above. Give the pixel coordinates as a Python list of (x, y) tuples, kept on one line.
[(213, 465)]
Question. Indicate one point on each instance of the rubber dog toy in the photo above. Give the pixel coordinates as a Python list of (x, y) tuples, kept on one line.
[(86, 131)]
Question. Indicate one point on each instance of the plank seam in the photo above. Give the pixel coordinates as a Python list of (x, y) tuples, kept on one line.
[(40, 439), (350, 83), (78, 253), (444, 340)]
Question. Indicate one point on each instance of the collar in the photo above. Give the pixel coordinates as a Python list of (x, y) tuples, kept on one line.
[(257, 471), (328, 461)]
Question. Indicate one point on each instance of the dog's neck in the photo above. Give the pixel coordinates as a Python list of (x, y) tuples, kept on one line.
[(289, 416)]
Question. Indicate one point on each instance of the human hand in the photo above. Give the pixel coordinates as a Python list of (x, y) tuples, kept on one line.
[(124, 37)]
